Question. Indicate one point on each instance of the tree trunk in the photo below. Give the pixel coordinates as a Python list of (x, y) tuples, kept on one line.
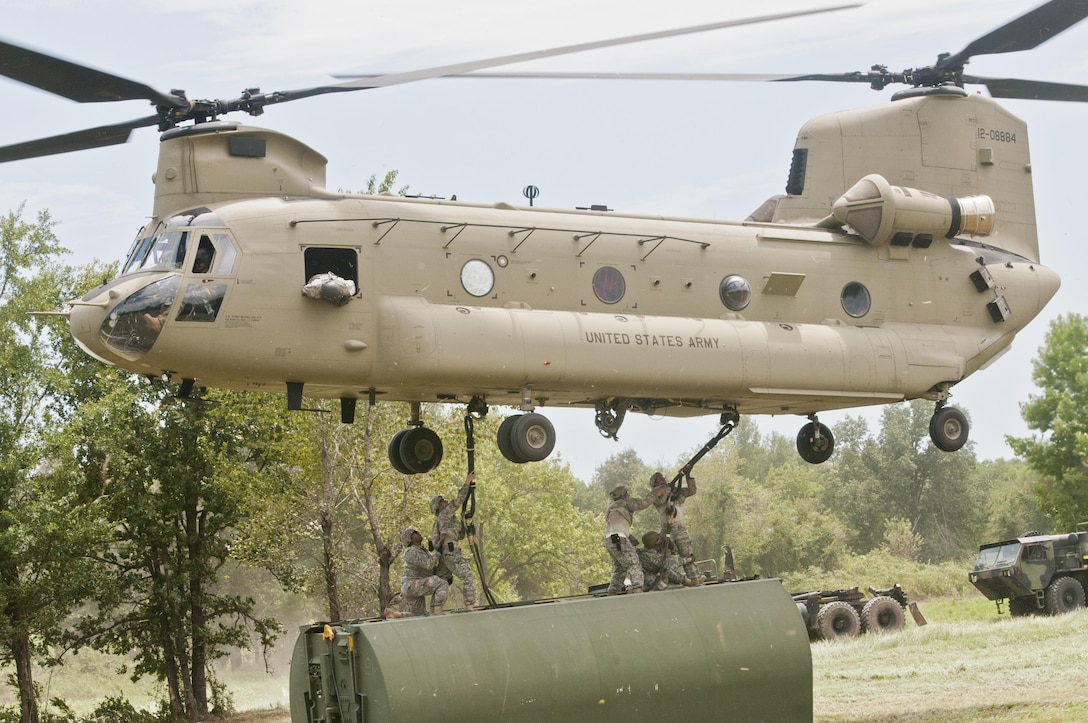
[(195, 532), (328, 566), (170, 668), (28, 701), (385, 589)]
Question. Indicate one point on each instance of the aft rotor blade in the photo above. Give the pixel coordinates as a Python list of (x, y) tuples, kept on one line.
[(468, 67), (1031, 89), (111, 135), (73, 81), (1028, 31)]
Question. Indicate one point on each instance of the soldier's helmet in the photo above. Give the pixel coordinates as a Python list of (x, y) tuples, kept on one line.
[(406, 535), (657, 479), (650, 539), (434, 503), (618, 492)]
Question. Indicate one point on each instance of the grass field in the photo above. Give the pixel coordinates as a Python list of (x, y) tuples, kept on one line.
[(967, 664)]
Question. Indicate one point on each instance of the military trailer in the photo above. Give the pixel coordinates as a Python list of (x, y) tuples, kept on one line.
[(846, 613), (720, 651), (1035, 572)]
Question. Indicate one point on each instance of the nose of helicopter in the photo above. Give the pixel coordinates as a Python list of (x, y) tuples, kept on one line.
[(84, 321), (120, 322)]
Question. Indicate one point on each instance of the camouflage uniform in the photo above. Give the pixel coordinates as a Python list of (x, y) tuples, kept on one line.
[(617, 532), (448, 529), (658, 570), (671, 516), (419, 580)]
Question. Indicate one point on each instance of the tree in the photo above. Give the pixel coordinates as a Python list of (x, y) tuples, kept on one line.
[(1059, 452), (1011, 502), (156, 464), (901, 475), (44, 531)]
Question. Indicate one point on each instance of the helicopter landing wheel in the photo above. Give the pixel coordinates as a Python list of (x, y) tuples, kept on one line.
[(394, 452), (815, 443), (416, 450), (948, 428), (506, 447), (526, 438)]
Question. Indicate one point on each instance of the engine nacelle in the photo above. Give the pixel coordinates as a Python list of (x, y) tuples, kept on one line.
[(884, 214)]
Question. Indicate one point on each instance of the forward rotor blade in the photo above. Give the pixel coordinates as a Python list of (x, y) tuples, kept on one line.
[(607, 75), (111, 135), (1028, 31), (73, 81), (468, 67)]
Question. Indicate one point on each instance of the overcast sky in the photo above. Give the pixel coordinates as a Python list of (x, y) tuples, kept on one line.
[(699, 149)]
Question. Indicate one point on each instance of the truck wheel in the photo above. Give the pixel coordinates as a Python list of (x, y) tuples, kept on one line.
[(882, 614), (838, 620), (1063, 595), (1021, 606)]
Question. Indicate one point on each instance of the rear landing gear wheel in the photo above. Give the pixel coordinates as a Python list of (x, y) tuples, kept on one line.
[(815, 443), (526, 438), (948, 429)]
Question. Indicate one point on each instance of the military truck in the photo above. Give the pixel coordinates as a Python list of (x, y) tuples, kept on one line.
[(1035, 572)]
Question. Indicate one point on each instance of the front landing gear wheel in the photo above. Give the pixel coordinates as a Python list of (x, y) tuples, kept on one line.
[(394, 452), (948, 429), (526, 438), (417, 450), (815, 443)]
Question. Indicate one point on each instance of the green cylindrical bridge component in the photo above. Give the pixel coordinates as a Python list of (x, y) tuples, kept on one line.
[(731, 651)]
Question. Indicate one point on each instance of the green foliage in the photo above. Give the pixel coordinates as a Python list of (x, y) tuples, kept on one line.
[(1059, 452), (920, 581), (901, 475), (374, 186), (46, 532), (1011, 500)]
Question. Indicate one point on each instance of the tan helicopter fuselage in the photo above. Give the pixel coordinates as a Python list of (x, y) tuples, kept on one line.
[(797, 313)]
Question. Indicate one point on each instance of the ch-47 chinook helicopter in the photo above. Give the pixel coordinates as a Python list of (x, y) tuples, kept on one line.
[(902, 258)]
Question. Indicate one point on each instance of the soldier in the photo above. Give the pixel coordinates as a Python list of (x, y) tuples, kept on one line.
[(671, 515), (617, 533), (448, 530), (419, 579), (659, 571)]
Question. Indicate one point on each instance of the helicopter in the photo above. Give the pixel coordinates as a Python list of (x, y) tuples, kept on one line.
[(824, 298)]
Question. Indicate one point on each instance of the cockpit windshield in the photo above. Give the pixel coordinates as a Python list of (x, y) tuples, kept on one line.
[(998, 555), (166, 249)]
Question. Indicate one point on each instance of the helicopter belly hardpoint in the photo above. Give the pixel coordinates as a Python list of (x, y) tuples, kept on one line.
[(902, 258)]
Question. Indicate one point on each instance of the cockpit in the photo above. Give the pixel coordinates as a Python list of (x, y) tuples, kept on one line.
[(184, 262)]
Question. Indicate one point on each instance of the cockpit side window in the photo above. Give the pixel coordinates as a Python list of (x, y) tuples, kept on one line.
[(227, 254), (205, 255), (344, 262)]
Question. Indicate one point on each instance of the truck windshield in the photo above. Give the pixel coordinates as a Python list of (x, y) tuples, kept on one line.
[(999, 555)]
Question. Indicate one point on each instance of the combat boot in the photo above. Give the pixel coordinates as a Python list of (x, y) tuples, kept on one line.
[(437, 610), (391, 614)]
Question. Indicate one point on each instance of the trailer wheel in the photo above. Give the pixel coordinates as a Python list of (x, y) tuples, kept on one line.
[(1063, 595), (882, 614), (838, 620)]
